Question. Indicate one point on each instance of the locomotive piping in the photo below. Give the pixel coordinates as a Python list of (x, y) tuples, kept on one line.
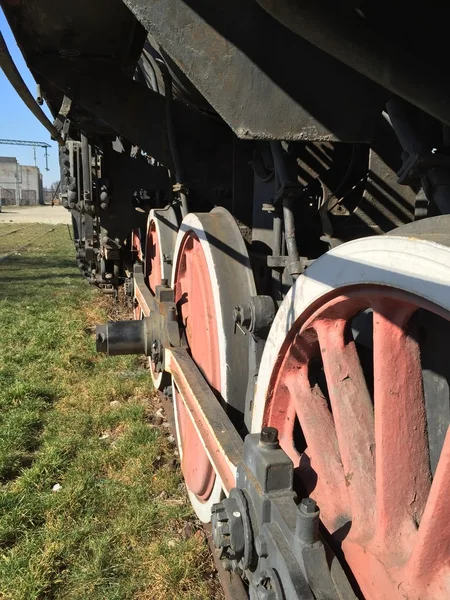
[(174, 148), (288, 214), (15, 79)]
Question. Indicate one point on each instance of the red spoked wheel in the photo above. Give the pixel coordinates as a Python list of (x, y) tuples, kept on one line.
[(210, 258), (353, 377), (162, 228), (136, 249), (136, 243)]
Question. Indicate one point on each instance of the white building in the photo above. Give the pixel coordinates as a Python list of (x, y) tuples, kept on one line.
[(19, 184)]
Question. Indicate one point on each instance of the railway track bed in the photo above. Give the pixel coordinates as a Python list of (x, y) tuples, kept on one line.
[(27, 244)]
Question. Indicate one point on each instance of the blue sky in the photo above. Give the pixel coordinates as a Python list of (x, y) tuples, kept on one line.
[(17, 122)]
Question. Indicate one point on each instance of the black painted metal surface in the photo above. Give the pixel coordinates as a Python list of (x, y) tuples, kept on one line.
[(266, 82)]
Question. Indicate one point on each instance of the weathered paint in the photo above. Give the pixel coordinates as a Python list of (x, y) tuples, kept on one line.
[(220, 440), (195, 300), (367, 465)]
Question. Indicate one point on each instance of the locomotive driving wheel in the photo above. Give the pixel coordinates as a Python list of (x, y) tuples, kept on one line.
[(162, 228), (136, 248), (355, 377), (211, 276)]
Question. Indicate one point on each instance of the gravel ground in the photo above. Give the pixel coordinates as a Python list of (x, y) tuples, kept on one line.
[(35, 214)]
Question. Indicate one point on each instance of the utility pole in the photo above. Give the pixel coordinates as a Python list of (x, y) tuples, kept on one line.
[(34, 145)]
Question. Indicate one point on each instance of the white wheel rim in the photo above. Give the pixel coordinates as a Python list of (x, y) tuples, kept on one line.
[(411, 264), (166, 225), (193, 222)]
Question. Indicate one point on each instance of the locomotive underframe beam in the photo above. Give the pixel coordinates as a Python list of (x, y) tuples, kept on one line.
[(244, 63), (138, 114), (351, 37)]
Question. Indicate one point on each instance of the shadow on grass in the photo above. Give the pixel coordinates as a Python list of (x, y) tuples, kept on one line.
[(39, 277), (19, 262), (28, 436), (19, 275)]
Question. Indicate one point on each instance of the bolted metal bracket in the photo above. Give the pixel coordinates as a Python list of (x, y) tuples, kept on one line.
[(256, 315), (288, 558), (291, 190), (232, 533), (416, 164)]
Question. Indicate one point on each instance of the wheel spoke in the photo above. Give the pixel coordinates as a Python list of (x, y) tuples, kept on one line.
[(320, 435), (153, 266), (353, 419), (402, 464), (432, 548)]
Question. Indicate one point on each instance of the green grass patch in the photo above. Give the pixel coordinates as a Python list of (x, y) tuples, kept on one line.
[(114, 529), (25, 233)]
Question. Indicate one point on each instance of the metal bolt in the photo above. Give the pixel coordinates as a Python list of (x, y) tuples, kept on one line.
[(238, 318), (242, 315), (269, 586), (269, 437), (220, 512), (261, 546), (307, 523), (308, 506), (262, 593)]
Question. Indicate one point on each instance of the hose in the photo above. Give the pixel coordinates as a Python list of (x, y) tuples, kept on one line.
[(174, 149), (288, 213), (15, 79)]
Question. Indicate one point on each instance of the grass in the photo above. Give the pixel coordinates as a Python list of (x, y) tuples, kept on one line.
[(116, 526), (24, 233)]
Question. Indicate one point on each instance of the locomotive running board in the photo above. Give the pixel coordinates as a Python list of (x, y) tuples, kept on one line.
[(223, 444)]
